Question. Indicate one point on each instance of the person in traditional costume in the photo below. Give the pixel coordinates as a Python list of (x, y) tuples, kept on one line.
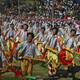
[(10, 38), (28, 50), (30, 28), (40, 38), (62, 33), (2, 60), (36, 28), (24, 33), (19, 33), (70, 26), (69, 41), (41, 35), (70, 45), (49, 29), (6, 24), (11, 33), (53, 44)]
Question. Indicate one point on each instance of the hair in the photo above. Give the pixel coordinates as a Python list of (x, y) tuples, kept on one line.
[(43, 28), (73, 30), (70, 23), (56, 29), (30, 34), (21, 26), (11, 24), (50, 25), (30, 22), (37, 22), (63, 24), (26, 25)]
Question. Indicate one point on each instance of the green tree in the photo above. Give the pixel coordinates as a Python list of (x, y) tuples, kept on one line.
[(30, 3)]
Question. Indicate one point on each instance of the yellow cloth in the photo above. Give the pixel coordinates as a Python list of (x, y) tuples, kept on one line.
[(9, 47), (68, 55), (62, 39), (18, 39), (52, 56), (26, 67), (40, 47)]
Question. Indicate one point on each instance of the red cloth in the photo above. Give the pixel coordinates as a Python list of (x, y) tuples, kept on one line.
[(43, 56), (23, 78), (78, 49), (13, 70), (17, 72), (62, 57)]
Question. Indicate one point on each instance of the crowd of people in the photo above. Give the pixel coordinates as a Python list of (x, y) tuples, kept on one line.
[(34, 34), (58, 34), (66, 9), (60, 9)]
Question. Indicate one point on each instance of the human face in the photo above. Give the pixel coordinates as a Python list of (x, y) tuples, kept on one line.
[(12, 26), (42, 30), (62, 27), (6, 20), (25, 27), (54, 31), (30, 24), (70, 26), (49, 27), (29, 38), (37, 24), (72, 33)]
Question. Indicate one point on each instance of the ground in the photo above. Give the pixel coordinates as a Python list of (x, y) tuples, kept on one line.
[(40, 70)]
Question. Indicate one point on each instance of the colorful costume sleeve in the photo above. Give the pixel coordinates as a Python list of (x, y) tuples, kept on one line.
[(20, 46)]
